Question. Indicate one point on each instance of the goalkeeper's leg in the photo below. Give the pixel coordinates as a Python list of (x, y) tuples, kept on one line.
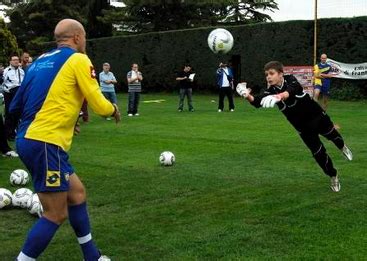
[(318, 151), (327, 129)]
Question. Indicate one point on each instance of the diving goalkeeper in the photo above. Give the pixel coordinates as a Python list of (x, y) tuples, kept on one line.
[(306, 116)]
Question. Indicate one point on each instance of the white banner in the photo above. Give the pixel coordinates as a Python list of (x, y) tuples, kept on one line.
[(347, 70)]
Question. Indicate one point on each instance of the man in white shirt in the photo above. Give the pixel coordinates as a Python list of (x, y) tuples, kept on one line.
[(12, 77)]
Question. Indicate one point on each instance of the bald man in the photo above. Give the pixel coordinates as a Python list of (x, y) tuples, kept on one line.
[(49, 102), (322, 81)]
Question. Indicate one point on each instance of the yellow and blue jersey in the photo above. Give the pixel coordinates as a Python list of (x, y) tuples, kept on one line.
[(51, 96), (318, 69)]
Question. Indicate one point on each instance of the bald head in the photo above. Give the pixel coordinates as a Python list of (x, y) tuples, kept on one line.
[(71, 33), (67, 28), (323, 58)]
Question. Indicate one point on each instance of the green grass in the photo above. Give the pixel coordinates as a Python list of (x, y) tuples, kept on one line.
[(244, 187)]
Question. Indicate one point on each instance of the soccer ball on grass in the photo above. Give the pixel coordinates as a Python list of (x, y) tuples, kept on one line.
[(34, 205), (167, 158), (5, 198), (21, 196), (19, 177)]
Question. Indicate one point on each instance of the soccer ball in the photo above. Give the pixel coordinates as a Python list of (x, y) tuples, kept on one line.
[(19, 177), (34, 205), (21, 196), (167, 158), (5, 197), (220, 41)]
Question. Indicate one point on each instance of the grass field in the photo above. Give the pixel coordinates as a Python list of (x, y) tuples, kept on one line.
[(243, 187)]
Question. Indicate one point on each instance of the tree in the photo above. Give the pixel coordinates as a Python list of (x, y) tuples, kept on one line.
[(34, 22), (247, 11), (9, 43), (145, 15), (96, 25)]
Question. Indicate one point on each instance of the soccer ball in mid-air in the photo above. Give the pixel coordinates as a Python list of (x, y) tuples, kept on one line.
[(167, 158), (5, 198), (34, 205), (21, 196), (19, 177), (220, 41)]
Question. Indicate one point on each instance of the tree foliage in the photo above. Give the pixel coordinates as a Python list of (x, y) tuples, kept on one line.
[(249, 11), (161, 15), (9, 43), (34, 22), (96, 26)]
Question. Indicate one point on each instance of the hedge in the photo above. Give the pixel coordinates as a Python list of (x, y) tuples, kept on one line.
[(160, 55)]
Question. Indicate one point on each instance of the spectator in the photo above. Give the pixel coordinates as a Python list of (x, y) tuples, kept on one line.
[(185, 83), (322, 81), (12, 77), (225, 84), (30, 61), (1, 83), (25, 58), (107, 80), (134, 78), (4, 146), (1, 74)]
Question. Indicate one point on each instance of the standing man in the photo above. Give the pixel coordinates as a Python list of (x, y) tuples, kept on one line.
[(49, 101), (30, 61), (4, 146), (26, 60), (225, 84), (185, 83), (13, 77), (1, 74), (1, 83), (322, 81), (134, 78), (107, 82)]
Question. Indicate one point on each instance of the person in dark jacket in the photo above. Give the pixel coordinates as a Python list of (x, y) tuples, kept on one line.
[(185, 84), (225, 84)]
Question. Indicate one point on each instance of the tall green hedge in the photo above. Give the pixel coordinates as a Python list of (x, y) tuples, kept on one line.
[(161, 55)]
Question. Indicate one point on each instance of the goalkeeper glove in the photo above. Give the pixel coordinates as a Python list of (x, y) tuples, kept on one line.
[(270, 101), (242, 90)]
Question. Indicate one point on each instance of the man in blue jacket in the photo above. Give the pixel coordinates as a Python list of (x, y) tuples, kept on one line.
[(225, 84)]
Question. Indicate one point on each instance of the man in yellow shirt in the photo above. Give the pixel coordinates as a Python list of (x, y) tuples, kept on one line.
[(322, 81), (49, 101)]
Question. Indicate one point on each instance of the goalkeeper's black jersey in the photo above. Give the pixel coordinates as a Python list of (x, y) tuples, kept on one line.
[(300, 109)]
